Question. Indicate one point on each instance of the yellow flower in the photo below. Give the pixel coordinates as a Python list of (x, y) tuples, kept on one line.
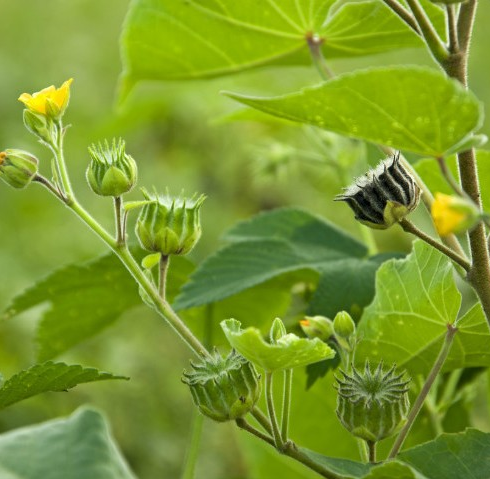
[(50, 101), (453, 214)]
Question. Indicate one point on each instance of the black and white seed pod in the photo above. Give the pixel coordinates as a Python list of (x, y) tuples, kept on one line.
[(384, 195)]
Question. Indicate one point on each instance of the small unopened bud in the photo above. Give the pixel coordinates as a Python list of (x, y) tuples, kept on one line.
[(344, 325), (372, 404), (224, 389), (453, 214), (278, 331), (111, 171), (40, 126), (17, 167), (317, 327), (169, 225), (383, 196)]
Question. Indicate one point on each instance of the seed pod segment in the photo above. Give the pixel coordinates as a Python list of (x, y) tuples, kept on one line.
[(384, 195)]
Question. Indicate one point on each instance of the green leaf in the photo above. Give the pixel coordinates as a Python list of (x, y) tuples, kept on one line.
[(185, 39), (429, 171), (287, 352), (46, 377), (79, 447), (344, 467), (452, 456), (408, 108), (346, 282), (415, 298), (394, 470), (268, 245), (84, 299)]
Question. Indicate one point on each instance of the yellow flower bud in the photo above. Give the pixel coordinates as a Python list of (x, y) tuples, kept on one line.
[(453, 214), (50, 102)]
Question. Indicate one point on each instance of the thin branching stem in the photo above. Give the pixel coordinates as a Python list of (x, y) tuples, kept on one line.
[(162, 277), (120, 235), (419, 402), (409, 227), (271, 410), (286, 403), (404, 14), (452, 28)]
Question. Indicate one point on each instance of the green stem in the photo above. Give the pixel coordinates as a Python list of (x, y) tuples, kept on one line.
[(315, 46), (271, 410), (162, 278), (451, 181), (60, 160), (409, 227), (286, 403), (372, 451), (47, 184), (120, 234), (363, 452), (404, 14), (192, 452), (449, 392), (435, 44), (419, 402), (262, 419), (123, 253), (452, 29), (243, 424)]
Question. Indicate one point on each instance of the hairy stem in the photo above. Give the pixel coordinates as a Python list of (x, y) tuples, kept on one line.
[(435, 44), (271, 410), (120, 235), (60, 161), (243, 424), (419, 402), (409, 227), (286, 403), (452, 28), (262, 419), (404, 14), (372, 451), (162, 277)]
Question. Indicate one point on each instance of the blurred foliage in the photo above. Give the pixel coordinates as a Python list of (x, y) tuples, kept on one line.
[(180, 137)]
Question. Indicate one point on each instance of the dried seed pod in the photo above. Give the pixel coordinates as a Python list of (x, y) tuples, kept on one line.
[(384, 195)]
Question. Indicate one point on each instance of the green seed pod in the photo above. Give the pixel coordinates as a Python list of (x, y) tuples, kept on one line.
[(317, 327), (224, 389), (373, 404), (344, 325), (17, 167), (111, 171), (383, 196), (169, 225)]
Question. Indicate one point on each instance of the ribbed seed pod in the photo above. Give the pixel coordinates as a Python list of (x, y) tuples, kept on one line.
[(224, 389), (384, 195), (17, 167), (169, 225), (111, 171), (372, 404)]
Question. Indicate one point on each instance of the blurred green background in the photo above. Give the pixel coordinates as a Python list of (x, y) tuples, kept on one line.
[(177, 134)]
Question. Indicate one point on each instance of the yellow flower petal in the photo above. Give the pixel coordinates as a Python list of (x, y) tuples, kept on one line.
[(452, 214), (49, 101)]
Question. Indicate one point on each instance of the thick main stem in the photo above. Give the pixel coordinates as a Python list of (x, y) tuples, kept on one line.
[(457, 67), (419, 402)]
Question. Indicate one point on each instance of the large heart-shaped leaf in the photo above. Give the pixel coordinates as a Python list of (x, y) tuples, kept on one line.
[(185, 39), (409, 108), (416, 298), (79, 447)]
